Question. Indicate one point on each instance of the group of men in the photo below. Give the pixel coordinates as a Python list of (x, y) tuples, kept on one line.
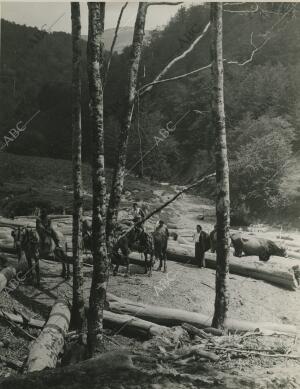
[(202, 240)]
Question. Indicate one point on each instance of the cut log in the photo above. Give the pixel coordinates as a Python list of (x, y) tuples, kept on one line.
[(279, 272), (19, 320), (45, 349), (173, 317), (123, 324), (11, 362), (132, 326), (199, 351)]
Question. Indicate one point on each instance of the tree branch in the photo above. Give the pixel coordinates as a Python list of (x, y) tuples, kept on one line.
[(113, 43), (146, 88), (195, 184), (164, 3), (254, 51), (252, 54), (256, 9), (177, 77)]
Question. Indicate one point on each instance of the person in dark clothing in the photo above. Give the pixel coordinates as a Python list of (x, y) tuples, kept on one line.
[(200, 239)]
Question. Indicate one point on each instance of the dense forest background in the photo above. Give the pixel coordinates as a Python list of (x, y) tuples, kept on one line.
[(261, 101)]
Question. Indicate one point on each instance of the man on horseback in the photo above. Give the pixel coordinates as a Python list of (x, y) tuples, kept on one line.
[(47, 234), (137, 213), (45, 230)]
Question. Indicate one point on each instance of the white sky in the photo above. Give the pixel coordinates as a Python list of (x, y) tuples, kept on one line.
[(39, 14)]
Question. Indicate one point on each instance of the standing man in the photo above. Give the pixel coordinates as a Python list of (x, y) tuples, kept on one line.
[(213, 239), (200, 238)]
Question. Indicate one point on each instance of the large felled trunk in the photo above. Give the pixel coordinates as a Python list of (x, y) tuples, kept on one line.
[(118, 177), (45, 350), (78, 301), (99, 251), (165, 316), (222, 169)]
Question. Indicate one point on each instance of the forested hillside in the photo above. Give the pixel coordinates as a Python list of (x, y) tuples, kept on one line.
[(261, 100)]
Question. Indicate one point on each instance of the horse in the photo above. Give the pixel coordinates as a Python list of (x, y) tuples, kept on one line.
[(87, 235), (135, 240), (160, 240), (28, 242)]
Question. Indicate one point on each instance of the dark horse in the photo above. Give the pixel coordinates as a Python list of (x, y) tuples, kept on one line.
[(135, 240), (27, 241), (160, 239)]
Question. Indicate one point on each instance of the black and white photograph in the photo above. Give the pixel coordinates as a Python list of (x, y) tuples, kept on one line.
[(149, 195)]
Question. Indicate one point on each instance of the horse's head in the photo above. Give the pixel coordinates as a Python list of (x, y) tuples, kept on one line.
[(25, 238), (18, 236)]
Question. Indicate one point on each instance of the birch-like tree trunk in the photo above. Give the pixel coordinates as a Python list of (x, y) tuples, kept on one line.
[(222, 169), (119, 172), (99, 251), (78, 300)]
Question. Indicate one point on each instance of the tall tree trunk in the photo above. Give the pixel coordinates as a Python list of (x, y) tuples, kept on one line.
[(99, 251), (78, 300), (118, 177), (222, 169)]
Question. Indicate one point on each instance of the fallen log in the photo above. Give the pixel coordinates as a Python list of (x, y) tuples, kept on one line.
[(174, 317), (20, 320), (132, 326), (199, 351), (280, 272), (11, 362), (45, 349), (123, 324)]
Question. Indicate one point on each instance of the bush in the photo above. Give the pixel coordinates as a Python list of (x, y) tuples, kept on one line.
[(263, 149)]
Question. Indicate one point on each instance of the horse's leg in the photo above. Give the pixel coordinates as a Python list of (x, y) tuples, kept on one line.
[(165, 261), (63, 272), (37, 270), (150, 265), (31, 271), (125, 253), (160, 261), (115, 255), (127, 266), (146, 264), (68, 270)]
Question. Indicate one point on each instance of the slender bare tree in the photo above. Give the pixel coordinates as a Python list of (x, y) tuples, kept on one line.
[(222, 169), (119, 172), (99, 250), (77, 319)]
